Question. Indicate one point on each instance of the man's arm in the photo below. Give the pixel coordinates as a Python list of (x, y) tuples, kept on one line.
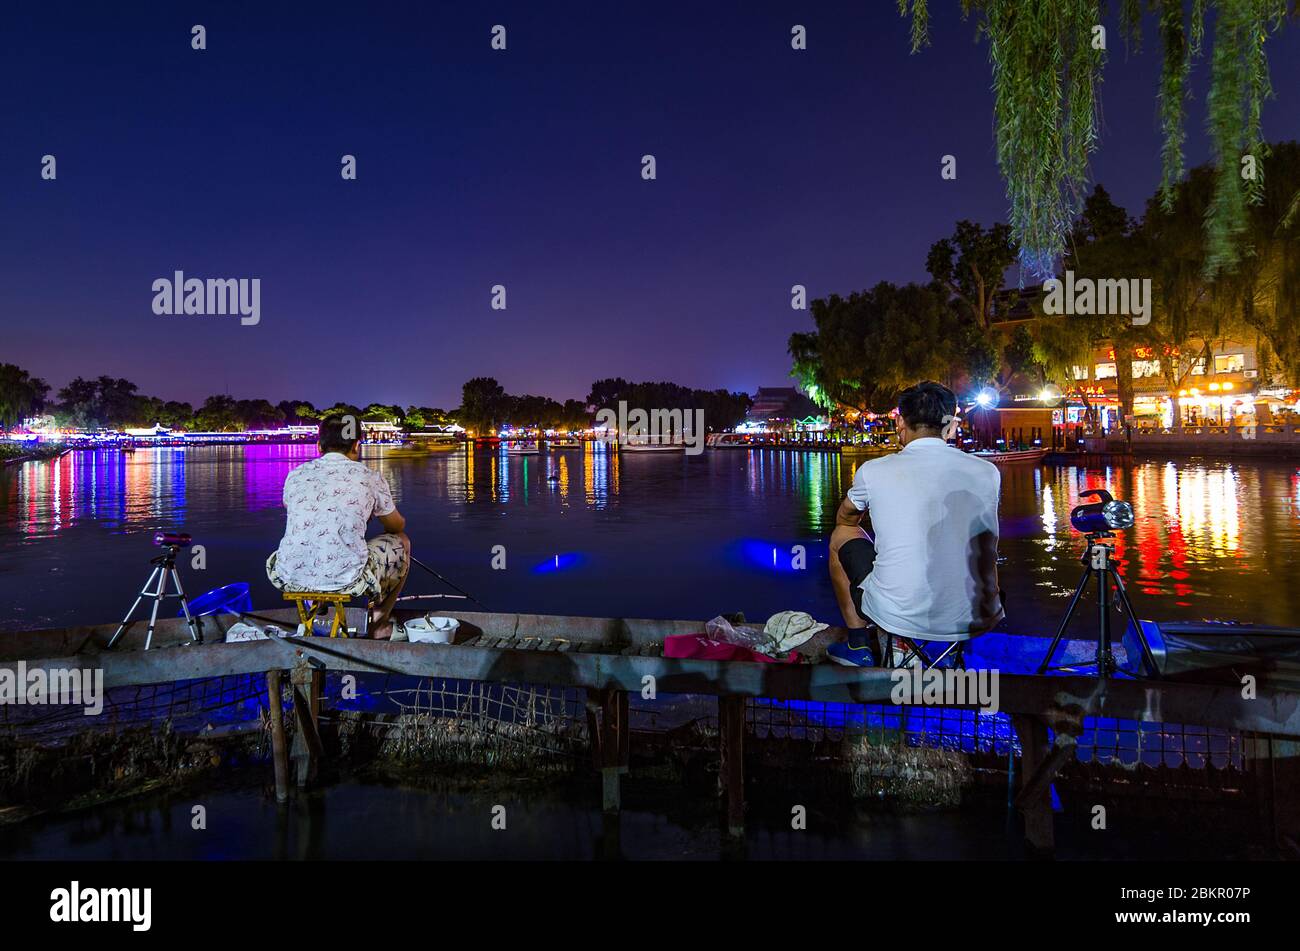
[(393, 522), (986, 555), (848, 514)]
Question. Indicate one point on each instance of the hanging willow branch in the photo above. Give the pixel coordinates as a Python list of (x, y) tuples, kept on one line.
[(1225, 219), (1198, 27), (1173, 93), (920, 22), (1130, 24), (1083, 74), (1045, 71)]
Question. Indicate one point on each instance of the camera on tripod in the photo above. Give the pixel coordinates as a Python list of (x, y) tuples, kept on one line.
[(155, 589), (1098, 521), (1103, 516)]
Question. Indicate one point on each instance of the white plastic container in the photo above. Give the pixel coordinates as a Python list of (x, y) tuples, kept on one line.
[(432, 629)]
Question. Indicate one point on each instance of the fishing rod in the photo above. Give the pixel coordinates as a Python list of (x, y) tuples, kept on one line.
[(453, 587)]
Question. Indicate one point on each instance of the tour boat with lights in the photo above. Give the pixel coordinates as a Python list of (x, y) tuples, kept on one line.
[(728, 440), (646, 446), (522, 448), (1008, 456)]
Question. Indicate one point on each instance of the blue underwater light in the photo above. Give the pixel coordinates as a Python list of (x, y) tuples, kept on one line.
[(558, 562)]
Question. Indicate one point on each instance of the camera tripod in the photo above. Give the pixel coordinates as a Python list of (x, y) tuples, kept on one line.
[(155, 588), (1097, 561)]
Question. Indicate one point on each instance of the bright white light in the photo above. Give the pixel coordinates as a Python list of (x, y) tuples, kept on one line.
[(986, 398)]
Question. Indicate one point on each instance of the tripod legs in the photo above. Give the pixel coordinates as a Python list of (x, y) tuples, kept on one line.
[(144, 593), (1148, 659), (1065, 621), (155, 589), (1097, 562), (196, 636)]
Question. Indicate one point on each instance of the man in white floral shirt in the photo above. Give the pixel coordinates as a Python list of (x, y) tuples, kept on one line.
[(330, 502)]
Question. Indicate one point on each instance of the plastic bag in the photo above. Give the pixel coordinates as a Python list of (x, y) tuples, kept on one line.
[(745, 635)]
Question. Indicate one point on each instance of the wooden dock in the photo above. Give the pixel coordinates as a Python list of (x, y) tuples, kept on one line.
[(611, 658)]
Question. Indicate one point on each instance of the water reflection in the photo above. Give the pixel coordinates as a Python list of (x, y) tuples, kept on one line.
[(646, 535)]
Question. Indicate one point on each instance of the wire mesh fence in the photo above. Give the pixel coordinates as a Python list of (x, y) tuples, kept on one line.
[(188, 705), (553, 720)]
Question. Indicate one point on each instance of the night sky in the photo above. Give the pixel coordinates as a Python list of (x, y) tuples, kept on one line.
[(478, 167)]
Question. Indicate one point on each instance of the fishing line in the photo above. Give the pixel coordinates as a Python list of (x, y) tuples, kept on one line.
[(458, 590)]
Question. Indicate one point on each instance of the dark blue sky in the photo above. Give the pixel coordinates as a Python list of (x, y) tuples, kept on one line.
[(476, 168)]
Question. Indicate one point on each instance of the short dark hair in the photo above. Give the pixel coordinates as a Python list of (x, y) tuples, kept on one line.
[(926, 404), (334, 432)]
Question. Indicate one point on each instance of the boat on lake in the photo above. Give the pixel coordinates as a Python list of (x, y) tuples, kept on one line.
[(866, 449), (644, 444), (394, 450), (1009, 456), (727, 440)]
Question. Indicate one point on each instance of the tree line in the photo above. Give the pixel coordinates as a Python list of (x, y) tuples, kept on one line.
[(485, 405), (869, 345), (116, 404)]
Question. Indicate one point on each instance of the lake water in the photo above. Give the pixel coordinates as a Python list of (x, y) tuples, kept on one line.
[(442, 821), (591, 532)]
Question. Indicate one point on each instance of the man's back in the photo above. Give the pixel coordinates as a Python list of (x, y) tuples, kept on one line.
[(934, 512), (329, 502)]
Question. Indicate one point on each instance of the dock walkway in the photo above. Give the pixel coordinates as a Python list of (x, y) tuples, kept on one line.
[(611, 658)]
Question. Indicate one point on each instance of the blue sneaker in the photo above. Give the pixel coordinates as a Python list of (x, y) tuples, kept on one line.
[(856, 651)]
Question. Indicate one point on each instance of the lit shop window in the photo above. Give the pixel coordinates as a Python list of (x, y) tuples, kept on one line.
[(1229, 363), (1106, 371), (1080, 373), (1198, 366), (1143, 368)]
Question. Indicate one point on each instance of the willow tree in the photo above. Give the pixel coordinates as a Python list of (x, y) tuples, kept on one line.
[(1047, 58), (20, 394), (1265, 288), (869, 346)]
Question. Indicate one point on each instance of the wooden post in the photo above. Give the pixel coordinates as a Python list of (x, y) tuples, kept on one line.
[(614, 747), (731, 735), (308, 685), (279, 748), (593, 706), (1275, 763), (1037, 808)]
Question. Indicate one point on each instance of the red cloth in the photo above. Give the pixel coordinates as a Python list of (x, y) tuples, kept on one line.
[(701, 647)]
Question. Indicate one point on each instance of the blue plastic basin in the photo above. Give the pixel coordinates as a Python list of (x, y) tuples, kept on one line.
[(231, 599)]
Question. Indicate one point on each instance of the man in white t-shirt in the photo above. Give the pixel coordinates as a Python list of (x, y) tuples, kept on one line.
[(330, 502), (931, 572)]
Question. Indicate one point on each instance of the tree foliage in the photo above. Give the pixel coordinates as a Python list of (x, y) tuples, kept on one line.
[(866, 346), (21, 395), (870, 345), (1046, 66), (722, 409)]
